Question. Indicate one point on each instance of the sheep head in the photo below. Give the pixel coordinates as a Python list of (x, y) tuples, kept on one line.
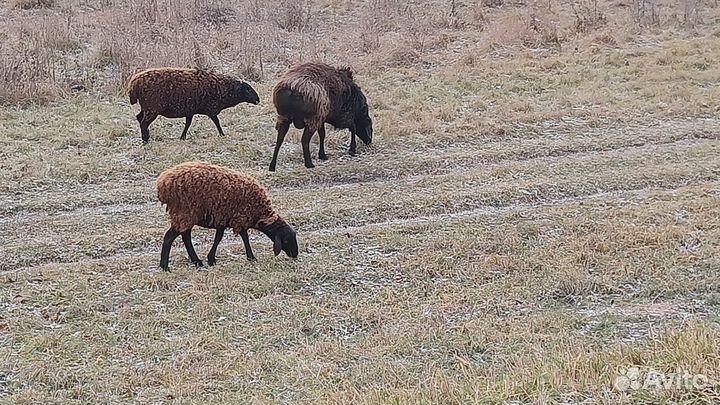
[(283, 236), (242, 92), (363, 122)]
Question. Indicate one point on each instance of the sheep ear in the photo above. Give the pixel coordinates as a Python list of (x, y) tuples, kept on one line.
[(277, 246)]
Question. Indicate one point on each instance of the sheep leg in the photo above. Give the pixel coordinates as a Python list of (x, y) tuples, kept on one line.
[(218, 237), (147, 119), (321, 134), (139, 116), (246, 241), (187, 240), (188, 121), (353, 144), (282, 127), (168, 240), (306, 137), (216, 120)]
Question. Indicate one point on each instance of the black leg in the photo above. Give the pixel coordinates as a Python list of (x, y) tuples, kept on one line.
[(218, 237), (246, 241), (353, 144), (139, 116), (282, 127), (321, 134), (216, 120), (187, 240), (306, 137), (188, 121), (168, 240), (147, 119)]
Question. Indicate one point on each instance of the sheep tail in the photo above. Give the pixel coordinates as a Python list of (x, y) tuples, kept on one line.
[(133, 95), (163, 190), (133, 89), (313, 92)]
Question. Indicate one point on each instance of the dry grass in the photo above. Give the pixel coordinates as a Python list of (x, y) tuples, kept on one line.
[(538, 213)]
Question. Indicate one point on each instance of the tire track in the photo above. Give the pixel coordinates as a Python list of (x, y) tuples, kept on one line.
[(446, 218), (432, 169), (562, 136)]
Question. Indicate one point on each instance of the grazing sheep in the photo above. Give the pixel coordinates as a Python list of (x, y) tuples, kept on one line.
[(203, 194), (311, 94), (177, 92)]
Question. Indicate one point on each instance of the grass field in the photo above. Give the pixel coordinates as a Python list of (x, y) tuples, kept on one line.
[(538, 214)]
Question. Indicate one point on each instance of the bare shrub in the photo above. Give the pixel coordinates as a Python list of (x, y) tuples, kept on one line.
[(645, 13), (588, 16), (34, 63), (540, 33), (199, 59), (476, 17), (605, 39), (369, 40), (385, 15), (691, 13), (48, 34), (505, 31), (144, 11), (451, 18), (256, 10), (492, 3), (27, 76), (250, 72), (104, 57), (31, 4), (396, 52), (247, 49), (532, 30), (293, 15), (215, 15), (113, 39), (95, 4)]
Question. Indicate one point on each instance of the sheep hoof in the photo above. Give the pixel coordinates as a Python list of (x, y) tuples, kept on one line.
[(353, 152), (211, 262), (198, 263), (322, 157), (252, 259), (309, 165)]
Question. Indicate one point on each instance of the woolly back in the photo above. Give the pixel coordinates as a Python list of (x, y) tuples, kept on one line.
[(170, 73), (176, 71), (201, 187), (315, 81)]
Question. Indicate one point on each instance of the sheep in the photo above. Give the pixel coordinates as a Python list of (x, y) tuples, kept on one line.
[(179, 92), (215, 197), (309, 95)]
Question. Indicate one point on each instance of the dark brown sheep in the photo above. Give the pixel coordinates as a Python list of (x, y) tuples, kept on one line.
[(203, 194), (177, 92), (311, 94)]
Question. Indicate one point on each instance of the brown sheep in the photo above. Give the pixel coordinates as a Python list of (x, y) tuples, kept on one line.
[(311, 94), (178, 92), (203, 194)]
